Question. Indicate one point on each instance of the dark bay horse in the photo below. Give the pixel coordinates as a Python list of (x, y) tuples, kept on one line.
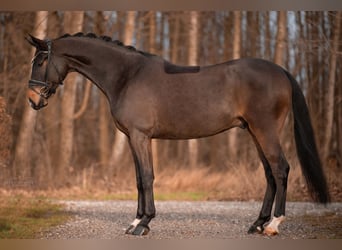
[(152, 98)]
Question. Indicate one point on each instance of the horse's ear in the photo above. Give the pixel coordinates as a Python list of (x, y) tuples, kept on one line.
[(39, 44)]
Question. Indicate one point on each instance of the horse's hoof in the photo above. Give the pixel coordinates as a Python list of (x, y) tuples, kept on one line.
[(133, 225), (269, 231), (255, 229), (272, 228), (130, 229), (140, 230)]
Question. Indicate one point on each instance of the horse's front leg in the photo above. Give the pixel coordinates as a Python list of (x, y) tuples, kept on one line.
[(141, 149)]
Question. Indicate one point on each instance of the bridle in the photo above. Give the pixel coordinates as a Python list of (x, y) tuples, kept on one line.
[(46, 88)]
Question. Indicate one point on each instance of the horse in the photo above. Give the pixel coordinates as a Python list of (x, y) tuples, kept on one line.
[(150, 97)]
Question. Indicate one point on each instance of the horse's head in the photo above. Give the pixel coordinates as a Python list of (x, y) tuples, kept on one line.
[(48, 72)]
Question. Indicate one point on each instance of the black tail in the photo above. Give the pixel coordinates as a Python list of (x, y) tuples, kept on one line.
[(306, 146)]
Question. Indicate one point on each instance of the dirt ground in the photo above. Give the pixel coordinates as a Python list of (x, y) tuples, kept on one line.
[(196, 220)]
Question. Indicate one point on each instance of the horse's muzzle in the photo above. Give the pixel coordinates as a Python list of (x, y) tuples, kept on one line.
[(42, 103)]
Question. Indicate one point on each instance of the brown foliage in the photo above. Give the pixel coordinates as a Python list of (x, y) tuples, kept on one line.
[(6, 135)]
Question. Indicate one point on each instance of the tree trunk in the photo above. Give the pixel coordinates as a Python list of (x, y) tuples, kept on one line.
[(339, 119), (175, 30), (237, 35), (330, 96), (279, 57), (73, 22), (175, 38), (5, 142), (51, 120), (152, 32), (193, 60), (152, 49), (339, 114), (232, 135), (104, 146), (23, 150), (267, 43), (120, 140), (279, 53)]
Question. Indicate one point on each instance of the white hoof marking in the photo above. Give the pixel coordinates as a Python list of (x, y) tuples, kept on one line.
[(132, 227), (272, 227), (135, 222)]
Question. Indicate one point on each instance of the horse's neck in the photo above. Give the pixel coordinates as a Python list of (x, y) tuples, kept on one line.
[(104, 65)]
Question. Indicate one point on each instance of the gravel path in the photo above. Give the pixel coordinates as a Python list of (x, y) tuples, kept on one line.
[(194, 220)]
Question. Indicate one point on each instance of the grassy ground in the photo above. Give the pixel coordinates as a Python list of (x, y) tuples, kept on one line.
[(24, 214), (22, 217)]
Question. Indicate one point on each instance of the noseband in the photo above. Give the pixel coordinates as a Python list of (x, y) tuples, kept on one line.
[(46, 89)]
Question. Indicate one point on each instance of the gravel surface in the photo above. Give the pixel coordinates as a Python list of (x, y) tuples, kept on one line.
[(195, 220)]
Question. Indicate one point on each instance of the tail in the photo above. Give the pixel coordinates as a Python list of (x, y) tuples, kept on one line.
[(306, 146)]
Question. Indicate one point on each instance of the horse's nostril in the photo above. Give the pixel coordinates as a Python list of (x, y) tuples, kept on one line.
[(34, 106), (31, 102)]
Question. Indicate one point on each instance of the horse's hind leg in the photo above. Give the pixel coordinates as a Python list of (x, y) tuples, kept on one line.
[(280, 171), (265, 213), (276, 170)]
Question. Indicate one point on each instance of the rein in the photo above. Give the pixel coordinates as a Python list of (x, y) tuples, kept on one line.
[(45, 90)]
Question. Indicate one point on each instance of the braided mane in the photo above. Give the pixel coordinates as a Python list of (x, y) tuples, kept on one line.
[(107, 39)]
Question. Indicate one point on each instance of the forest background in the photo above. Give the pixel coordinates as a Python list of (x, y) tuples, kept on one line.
[(72, 146)]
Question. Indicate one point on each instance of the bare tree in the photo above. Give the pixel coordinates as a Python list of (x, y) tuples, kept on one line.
[(330, 96), (175, 37), (120, 140), (104, 141), (152, 32), (193, 60), (73, 22), (232, 135), (237, 35), (279, 53), (152, 49), (22, 159), (51, 118), (5, 142)]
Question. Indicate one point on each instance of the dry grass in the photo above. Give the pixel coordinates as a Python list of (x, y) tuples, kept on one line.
[(237, 183), (241, 183)]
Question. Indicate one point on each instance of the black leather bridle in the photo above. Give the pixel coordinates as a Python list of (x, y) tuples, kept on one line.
[(46, 88)]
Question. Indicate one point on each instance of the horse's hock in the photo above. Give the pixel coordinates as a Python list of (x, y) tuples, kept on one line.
[(6, 134)]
